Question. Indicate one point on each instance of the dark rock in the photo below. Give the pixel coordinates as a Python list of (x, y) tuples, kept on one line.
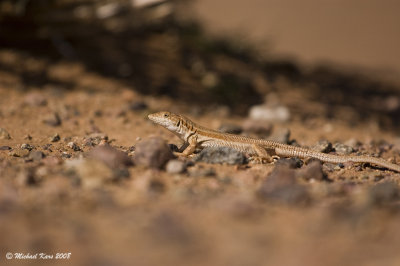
[(55, 138), (342, 149), (257, 127), (4, 134), (291, 163), (73, 146), (175, 167), (53, 120), (36, 156), (323, 146), (312, 171), (95, 139), (152, 152), (66, 155), (26, 146), (281, 186), (5, 148), (35, 99), (110, 156), (220, 155), (230, 128)]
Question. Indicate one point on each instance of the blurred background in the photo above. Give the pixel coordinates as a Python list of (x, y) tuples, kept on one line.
[(83, 171)]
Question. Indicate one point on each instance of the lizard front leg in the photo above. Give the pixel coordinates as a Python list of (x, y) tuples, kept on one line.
[(190, 149), (263, 155)]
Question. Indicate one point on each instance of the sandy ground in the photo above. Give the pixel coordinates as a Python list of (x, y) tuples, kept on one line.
[(152, 217)]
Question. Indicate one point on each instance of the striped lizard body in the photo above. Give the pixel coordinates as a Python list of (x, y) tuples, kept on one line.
[(196, 136)]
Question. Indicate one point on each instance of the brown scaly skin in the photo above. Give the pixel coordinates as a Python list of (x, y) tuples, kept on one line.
[(196, 136)]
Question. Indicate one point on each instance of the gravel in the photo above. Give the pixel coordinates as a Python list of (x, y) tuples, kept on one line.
[(152, 152)]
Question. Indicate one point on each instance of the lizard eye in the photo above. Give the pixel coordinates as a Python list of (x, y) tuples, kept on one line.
[(165, 115)]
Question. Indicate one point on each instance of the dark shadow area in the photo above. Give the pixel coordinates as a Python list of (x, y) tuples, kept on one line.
[(164, 55)]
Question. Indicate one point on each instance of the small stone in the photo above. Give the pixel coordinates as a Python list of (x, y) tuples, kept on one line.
[(35, 99), (323, 146), (53, 120), (5, 148), (55, 138), (152, 152), (28, 137), (4, 134), (95, 139), (230, 128), (36, 156), (26, 146), (281, 186), (19, 153), (74, 146), (257, 127), (291, 163), (175, 167), (275, 113), (312, 171), (219, 155), (110, 156), (65, 155), (342, 149)]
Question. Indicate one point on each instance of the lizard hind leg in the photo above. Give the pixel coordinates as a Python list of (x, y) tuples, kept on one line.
[(263, 155)]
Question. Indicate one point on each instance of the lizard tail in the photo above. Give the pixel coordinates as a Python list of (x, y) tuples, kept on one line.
[(331, 158)]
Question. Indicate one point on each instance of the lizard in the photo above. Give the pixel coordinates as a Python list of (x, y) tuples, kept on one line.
[(196, 136)]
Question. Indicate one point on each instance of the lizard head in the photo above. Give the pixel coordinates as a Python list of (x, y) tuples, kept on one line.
[(168, 120)]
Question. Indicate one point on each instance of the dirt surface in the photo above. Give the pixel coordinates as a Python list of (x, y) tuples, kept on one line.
[(83, 171)]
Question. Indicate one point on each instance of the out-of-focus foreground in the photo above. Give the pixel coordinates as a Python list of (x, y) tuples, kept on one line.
[(83, 171)]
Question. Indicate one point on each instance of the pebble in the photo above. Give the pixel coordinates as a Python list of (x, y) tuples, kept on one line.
[(110, 156), (95, 139), (35, 99), (5, 148), (323, 146), (257, 127), (19, 153), (55, 138), (152, 152), (342, 149), (36, 156), (291, 163), (53, 120), (74, 146), (175, 167), (275, 113), (65, 154), (281, 186), (219, 155), (230, 128), (312, 171), (4, 134), (26, 146)]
